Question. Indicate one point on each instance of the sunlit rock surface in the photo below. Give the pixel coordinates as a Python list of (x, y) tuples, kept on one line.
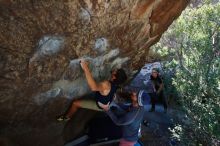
[(41, 43)]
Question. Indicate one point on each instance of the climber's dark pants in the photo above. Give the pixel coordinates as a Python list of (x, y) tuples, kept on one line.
[(155, 97)]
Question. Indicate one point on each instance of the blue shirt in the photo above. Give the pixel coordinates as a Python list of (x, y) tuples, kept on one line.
[(129, 120)]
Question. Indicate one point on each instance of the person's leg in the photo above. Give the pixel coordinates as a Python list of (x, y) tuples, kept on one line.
[(83, 103), (153, 101), (87, 102), (74, 107), (164, 100), (90, 104)]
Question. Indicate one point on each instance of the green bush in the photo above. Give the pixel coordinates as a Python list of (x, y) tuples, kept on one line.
[(192, 48)]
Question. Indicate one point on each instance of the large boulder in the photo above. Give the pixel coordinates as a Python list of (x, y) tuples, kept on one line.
[(41, 43)]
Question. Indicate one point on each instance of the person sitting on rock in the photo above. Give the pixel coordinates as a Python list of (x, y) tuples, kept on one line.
[(103, 92), (158, 87), (128, 116)]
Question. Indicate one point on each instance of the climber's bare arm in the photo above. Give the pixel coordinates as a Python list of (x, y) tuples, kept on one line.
[(94, 86)]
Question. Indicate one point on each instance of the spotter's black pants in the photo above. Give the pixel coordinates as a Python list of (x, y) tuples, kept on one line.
[(158, 97)]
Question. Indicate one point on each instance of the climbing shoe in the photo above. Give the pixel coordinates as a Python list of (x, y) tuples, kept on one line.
[(63, 118)]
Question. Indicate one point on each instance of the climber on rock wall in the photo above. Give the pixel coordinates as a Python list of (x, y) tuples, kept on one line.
[(103, 92)]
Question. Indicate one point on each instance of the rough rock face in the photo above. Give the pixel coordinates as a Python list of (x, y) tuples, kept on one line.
[(41, 43)]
